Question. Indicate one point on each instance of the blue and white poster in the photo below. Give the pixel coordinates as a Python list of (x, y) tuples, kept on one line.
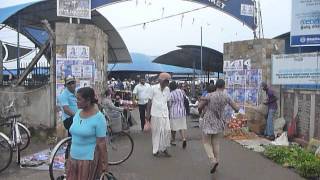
[(305, 23)]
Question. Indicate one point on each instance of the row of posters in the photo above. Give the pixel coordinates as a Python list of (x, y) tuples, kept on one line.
[(73, 60), (248, 78), (242, 82)]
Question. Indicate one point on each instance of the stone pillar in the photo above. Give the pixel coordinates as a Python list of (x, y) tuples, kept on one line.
[(95, 39)]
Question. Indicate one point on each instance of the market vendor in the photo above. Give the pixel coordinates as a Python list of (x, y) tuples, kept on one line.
[(272, 109)]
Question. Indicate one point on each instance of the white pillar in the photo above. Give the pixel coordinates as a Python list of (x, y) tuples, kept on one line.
[(312, 115)]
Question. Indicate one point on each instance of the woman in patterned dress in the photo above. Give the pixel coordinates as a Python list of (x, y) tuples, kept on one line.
[(177, 114), (214, 121)]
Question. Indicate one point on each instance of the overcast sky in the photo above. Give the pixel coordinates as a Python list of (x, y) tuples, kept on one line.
[(163, 36)]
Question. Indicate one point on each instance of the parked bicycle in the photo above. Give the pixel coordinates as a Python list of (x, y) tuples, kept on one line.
[(14, 136), (119, 147)]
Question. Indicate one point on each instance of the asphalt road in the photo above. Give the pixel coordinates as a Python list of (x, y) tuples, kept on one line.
[(237, 163)]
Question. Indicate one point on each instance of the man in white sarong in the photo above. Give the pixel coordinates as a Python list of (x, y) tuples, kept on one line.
[(158, 115)]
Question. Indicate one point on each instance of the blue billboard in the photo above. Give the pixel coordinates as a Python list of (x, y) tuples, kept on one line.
[(305, 23)]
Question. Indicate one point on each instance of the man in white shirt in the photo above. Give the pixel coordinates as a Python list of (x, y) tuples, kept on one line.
[(158, 114), (141, 94)]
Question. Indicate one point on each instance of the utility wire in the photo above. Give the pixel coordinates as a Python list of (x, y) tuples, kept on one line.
[(162, 18)]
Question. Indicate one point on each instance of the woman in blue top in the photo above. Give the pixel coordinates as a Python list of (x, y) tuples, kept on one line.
[(88, 148)]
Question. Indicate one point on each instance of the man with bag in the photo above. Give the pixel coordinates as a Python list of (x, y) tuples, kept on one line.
[(158, 115), (272, 109)]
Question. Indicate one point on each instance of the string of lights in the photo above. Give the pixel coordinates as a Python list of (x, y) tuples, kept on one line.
[(162, 18)]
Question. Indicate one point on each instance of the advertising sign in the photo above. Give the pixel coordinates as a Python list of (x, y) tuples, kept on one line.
[(237, 65), (305, 23), (74, 8), (296, 69)]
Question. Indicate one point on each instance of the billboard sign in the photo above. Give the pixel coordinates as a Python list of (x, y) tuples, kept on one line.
[(305, 23), (74, 8), (296, 69)]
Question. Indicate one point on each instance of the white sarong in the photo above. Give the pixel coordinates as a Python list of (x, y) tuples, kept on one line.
[(161, 134), (178, 123)]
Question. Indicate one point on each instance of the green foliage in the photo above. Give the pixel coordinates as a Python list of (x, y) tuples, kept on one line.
[(305, 162)]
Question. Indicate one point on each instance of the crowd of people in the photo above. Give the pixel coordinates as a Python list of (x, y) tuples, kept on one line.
[(161, 104)]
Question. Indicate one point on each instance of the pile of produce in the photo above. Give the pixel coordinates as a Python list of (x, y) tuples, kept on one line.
[(303, 161), (237, 128), (237, 122)]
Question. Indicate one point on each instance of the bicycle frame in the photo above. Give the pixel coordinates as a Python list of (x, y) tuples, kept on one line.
[(5, 137)]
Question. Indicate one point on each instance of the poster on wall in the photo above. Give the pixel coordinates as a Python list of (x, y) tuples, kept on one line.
[(77, 66), (242, 82), (305, 23), (296, 69), (251, 97), (253, 78), (74, 9), (237, 65), (75, 52)]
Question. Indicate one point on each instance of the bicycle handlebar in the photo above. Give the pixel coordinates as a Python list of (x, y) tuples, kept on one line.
[(11, 117)]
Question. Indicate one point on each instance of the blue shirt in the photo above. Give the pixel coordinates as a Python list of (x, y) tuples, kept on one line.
[(69, 99), (84, 133)]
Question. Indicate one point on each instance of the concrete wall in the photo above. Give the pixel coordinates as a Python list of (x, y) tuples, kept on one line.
[(259, 51), (88, 35), (305, 103), (32, 104)]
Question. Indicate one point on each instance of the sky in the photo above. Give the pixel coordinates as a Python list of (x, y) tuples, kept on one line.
[(163, 36)]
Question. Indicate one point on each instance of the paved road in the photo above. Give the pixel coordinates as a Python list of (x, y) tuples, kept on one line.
[(190, 164)]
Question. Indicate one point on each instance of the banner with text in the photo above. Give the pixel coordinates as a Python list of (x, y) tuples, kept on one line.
[(305, 23), (296, 69), (74, 9)]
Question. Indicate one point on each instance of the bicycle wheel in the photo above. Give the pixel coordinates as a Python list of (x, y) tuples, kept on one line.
[(58, 159), (119, 147), (24, 133), (5, 152)]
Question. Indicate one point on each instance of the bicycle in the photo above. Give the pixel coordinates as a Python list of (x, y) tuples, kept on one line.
[(9, 122), (18, 140), (119, 147)]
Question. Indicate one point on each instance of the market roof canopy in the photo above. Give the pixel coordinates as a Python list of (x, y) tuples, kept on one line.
[(190, 57), (30, 15), (9, 51), (143, 63)]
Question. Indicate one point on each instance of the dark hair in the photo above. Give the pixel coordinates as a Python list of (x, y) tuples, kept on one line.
[(211, 88), (173, 86), (220, 83), (107, 93), (88, 94), (264, 85)]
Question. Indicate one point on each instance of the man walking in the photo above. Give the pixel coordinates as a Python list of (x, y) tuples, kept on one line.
[(158, 114), (68, 102), (272, 109), (140, 94)]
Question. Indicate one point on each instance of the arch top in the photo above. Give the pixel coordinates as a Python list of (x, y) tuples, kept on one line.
[(242, 10)]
